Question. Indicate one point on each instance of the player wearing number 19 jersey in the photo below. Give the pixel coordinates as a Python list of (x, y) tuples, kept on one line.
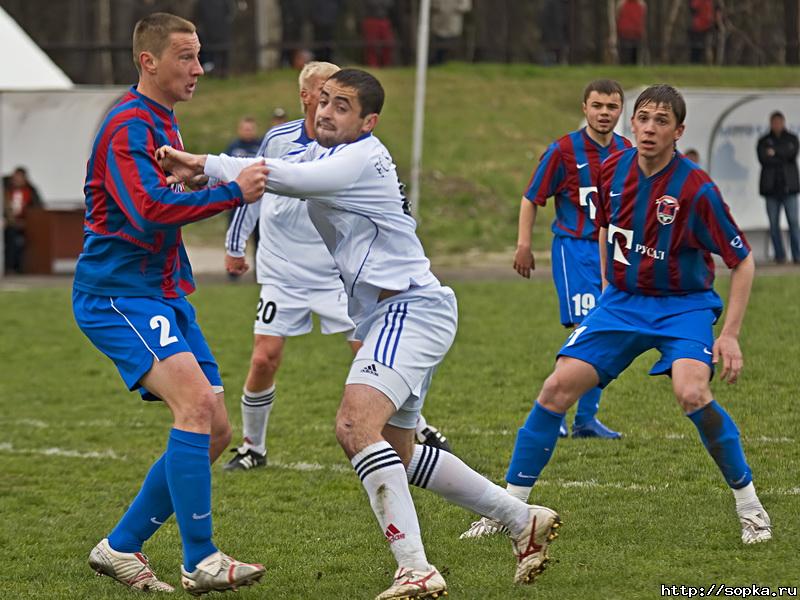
[(568, 172), (660, 219)]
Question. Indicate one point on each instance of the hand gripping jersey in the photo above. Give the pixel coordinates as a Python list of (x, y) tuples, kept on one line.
[(132, 236), (290, 249), (662, 229), (568, 170), (355, 202)]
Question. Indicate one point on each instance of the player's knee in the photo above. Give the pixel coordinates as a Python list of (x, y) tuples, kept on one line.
[(200, 409), (693, 396), (556, 394), (266, 363)]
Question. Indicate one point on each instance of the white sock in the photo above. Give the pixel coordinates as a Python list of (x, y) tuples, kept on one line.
[(256, 407), (746, 498), (519, 491), (421, 424), (451, 478), (384, 478)]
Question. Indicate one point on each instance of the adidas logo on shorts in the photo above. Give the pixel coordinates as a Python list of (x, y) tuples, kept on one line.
[(370, 369)]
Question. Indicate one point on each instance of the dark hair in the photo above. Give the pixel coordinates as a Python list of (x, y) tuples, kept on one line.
[(665, 95), (603, 86), (777, 115), (369, 89)]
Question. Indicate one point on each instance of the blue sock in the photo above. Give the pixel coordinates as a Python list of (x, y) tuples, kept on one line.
[(535, 443), (148, 511), (189, 476), (588, 404), (721, 438)]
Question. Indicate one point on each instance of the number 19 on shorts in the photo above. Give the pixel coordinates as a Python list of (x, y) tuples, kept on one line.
[(582, 304)]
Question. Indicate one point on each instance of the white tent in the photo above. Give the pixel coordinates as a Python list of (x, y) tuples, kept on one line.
[(25, 66), (47, 124)]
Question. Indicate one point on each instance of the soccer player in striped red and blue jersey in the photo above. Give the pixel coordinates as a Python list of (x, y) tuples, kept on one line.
[(129, 299), (568, 172), (661, 217)]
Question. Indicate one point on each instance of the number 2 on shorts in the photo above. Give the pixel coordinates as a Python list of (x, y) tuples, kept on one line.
[(160, 321)]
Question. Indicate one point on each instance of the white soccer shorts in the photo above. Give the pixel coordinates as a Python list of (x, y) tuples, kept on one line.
[(405, 339), (285, 311)]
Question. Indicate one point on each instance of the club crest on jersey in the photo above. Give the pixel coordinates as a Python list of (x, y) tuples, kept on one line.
[(666, 209)]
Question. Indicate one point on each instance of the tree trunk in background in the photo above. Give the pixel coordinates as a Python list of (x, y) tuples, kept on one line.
[(668, 50), (791, 19), (611, 50)]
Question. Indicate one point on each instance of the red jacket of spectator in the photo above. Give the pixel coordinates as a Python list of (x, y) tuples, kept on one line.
[(631, 20), (702, 15)]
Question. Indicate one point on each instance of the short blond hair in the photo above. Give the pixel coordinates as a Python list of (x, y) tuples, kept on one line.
[(151, 34), (312, 69)]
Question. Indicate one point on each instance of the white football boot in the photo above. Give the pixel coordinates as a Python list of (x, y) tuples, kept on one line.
[(412, 583), (129, 568), (530, 546), (483, 527), (218, 572), (756, 526)]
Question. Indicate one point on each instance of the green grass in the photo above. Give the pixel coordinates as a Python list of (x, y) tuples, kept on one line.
[(485, 128), (651, 509)]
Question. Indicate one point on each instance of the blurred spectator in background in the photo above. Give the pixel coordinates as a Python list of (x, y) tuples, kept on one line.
[(294, 14), (631, 27), (703, 17), (19, 196), (554, 27), (300, 58), (278, 117), (780, 183), (693, 155), (447, 27), (214, 20), (246, 145), (324, 15), (376, 29)]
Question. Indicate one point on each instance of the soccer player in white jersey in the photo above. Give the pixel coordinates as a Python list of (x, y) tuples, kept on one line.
[(297, 276), (407, 321)]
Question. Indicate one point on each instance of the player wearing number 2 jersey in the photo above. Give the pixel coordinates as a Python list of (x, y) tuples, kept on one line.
[(660, 217), (129, 299)]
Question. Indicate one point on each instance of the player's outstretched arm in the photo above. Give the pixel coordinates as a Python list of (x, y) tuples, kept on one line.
[(523, 256), (726, 346)]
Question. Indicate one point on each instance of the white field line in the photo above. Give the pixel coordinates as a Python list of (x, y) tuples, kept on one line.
[(9, 449), (305, 467)]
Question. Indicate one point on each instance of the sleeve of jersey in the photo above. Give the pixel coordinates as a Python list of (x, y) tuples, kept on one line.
[(547, 178), (319, 179), (241, 227), (139, 187), (715, 230)]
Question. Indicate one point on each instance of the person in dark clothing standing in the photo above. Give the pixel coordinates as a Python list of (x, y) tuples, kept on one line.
[(780, 183)]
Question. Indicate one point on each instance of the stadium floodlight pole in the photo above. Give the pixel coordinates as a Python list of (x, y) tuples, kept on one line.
[(419, 103)]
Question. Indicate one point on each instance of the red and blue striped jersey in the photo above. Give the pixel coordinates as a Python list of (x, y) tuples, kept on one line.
[(132, 228), (568, 170), (663, 229)]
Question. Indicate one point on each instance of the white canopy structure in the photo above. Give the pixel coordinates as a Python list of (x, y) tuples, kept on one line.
[(47, 124)]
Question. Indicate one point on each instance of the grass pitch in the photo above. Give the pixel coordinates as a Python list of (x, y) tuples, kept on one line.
[(648, 510)]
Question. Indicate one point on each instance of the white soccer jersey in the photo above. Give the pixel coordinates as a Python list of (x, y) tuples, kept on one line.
[(290, 250), (355, 202)]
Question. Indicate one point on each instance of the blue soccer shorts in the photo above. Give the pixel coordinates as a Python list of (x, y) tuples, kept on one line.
[(136, 331), (576, 274), (624, 326)]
